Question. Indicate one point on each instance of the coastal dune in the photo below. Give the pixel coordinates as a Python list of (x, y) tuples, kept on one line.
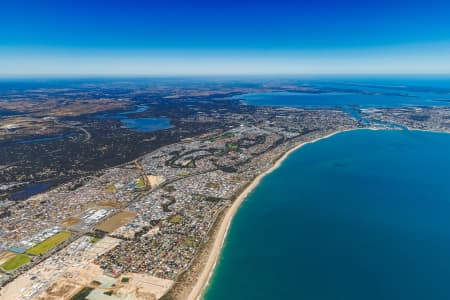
[(219, 238)]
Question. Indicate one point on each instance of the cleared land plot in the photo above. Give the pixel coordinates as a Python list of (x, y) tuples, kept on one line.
[(155, 180), (109, 203), (5, 256), (49, 243), (16, 262), (116, 221), (71, 221), (56, 291)]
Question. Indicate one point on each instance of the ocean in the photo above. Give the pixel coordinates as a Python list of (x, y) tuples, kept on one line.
[(361, 215), (373, 92)]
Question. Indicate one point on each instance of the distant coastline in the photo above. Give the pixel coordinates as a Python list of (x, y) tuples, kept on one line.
[(336, 157), (219, 238), (203, 281)]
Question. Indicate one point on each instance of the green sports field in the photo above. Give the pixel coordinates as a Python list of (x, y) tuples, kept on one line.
[(49, 243), (16, 262)]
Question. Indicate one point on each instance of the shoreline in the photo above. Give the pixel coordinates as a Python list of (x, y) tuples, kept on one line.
[(207, 272)]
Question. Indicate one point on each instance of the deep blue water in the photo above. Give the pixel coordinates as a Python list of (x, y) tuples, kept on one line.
[(31, 190), (362, 93), (146, 124), (333, 99), (362, 215), (46, 139), (138, 124)]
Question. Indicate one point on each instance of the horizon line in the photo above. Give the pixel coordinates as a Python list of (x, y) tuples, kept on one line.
[(165, 75)]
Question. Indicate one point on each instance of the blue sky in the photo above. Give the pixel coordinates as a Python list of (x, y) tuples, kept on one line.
[(223, 37)]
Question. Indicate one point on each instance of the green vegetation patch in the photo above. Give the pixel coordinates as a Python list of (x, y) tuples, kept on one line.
[(108, 293), (95, 239), (96, 283), (81, 295), (190, 242), (175, 219), (125, 279), (140, 183), (223, 136), (49, 243), (184, 173), (231, 146), (16, 262), (212, 185), (110, 188)]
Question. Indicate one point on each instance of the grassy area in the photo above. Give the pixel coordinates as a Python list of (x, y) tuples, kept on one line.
[(212, 185), (49, 243), (125, 279), (16, 262), (231, 146), (190, 242), (140, 183), (235, 178), (220, 137), (95, 240), (184, 173), (110, 188), (175, 219)]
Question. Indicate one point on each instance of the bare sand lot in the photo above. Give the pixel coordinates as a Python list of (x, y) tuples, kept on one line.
[(143, 286), (71, 221), (5, 256)]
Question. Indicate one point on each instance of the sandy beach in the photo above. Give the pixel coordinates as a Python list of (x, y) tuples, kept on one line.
[(219, 239)]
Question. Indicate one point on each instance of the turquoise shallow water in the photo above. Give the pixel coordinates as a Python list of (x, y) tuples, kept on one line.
[(361, 215)]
